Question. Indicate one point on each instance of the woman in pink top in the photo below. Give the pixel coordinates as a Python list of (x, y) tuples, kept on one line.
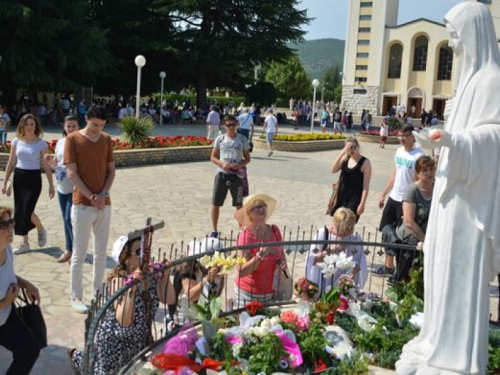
[(258, 278)]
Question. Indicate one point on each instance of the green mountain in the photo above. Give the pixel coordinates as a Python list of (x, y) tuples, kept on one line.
[(318, 55)]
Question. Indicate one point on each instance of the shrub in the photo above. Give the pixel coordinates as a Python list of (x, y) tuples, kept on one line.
[(306, 137), (136, 130)]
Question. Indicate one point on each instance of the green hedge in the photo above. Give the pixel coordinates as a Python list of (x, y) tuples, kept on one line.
[(192, 98)]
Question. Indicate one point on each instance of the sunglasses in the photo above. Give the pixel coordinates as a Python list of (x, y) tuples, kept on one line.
[(4, 224), (231, 124), (259, 207)]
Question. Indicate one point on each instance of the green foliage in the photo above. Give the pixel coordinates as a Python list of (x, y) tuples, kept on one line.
[(332, 83), (494, 352), (306, 137), (192, 99), (215, 48), (312, 343), (136, 130), (318, 55), (50, 45), (357, 364), (263, 93), (289, 78), (264, 355), (408, 297), (385, 341), (222, 349)]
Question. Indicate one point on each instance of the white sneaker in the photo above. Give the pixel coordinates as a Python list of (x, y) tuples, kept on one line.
[(79, 306), (24, 248), (42, 238)]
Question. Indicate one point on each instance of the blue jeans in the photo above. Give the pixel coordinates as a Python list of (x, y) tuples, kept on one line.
[(3, 137), (65, 202)]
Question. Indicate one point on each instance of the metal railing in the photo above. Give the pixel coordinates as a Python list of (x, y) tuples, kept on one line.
[(296, 244)]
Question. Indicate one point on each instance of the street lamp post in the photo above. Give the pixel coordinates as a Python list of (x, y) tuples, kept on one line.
[(162, 76), (140, 61), (315, 84)]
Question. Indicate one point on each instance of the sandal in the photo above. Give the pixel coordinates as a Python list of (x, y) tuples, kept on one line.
[(70, 353), (383, 271)]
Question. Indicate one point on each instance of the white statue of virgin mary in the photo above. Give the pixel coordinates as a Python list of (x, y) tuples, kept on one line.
[(462, 244)]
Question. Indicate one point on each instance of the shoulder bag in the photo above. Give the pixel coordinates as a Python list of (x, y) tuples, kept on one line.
[(31, 316), (335, 195)]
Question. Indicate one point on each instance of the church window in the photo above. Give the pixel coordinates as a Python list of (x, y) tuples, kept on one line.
[(395, 61), (420, 54), (445, 63)]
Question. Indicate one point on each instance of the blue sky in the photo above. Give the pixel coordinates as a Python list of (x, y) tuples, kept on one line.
[(331, 15)]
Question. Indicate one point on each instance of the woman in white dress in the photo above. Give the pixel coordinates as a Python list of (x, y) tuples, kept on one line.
[(342, 229)]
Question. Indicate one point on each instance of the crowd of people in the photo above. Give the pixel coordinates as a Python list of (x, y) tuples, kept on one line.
[(84, 168)]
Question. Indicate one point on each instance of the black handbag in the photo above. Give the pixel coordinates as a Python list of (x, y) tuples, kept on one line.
[(31, 316)]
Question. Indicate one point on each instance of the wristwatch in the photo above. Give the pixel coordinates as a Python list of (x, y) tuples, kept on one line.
[(105, 194)]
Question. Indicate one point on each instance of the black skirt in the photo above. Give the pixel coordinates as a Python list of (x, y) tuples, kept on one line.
[(27, 188)]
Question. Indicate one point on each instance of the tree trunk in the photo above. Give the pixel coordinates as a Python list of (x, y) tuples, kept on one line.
[(201, 88)]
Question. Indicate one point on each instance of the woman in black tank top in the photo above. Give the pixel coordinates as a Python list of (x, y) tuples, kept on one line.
[(354, 181)]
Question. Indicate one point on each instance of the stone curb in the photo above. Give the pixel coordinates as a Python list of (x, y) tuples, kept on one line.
[(300, 146), (376, 139)]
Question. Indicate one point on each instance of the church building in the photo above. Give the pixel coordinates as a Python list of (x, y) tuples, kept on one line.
[(389, 64)]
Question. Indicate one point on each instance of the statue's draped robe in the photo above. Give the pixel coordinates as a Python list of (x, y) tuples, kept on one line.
[(462, 243)]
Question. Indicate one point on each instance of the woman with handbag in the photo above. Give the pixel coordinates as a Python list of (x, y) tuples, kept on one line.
[(354, 181), (126, 329), (255, 280), (15, 335)]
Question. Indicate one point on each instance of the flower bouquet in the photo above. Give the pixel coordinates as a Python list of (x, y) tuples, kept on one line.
[(305, 289), (255, 308), (219, 259)]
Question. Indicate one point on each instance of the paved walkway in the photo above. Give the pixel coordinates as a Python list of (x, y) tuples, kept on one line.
[(180, 194)]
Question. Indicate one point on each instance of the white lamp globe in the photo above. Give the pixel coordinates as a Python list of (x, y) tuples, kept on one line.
[(163, 75), (140, 61), (315, 83)]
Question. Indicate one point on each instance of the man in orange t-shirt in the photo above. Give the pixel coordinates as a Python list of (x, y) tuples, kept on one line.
[(88, 154)]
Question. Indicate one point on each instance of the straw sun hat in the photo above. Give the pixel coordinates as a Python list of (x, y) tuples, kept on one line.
[(242, 214)]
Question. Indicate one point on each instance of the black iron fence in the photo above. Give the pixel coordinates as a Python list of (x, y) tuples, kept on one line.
[(167, 312)]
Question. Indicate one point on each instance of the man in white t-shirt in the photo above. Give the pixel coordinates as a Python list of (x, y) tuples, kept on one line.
[(402, 176), (271, 129)]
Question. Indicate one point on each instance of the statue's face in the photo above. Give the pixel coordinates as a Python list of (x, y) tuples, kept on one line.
[(455, 43)]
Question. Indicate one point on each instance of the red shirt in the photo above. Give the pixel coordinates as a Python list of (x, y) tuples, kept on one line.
[(260, 281)]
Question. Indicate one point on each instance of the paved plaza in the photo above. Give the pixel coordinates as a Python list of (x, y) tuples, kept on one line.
[(180, 194)]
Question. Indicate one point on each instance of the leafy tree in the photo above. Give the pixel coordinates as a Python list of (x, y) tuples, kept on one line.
[(137, 27), (332, 81), (263, 93), (289, 78), (220, 41), (49, 45)]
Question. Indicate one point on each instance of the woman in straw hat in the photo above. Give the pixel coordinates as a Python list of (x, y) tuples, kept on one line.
[(126, 329), (255, 280)]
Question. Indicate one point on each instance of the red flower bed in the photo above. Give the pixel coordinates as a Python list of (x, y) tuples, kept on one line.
[(153, 142)]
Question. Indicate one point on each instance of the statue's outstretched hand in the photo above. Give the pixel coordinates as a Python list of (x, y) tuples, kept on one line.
[(424, 140)]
